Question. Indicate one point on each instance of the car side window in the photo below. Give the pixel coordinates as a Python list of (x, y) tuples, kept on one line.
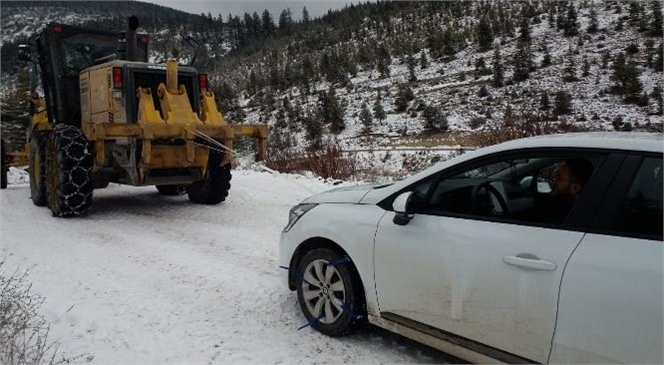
[(534, 189), (641, 209)]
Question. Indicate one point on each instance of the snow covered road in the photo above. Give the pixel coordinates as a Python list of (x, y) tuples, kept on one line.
[(146, 278)]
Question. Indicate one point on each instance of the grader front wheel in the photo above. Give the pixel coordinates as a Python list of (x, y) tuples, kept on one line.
[(68, 172), (214, 188)]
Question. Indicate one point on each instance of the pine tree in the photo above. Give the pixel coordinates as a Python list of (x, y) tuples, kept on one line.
[(497, 68), (424, 63), (563, 103), (569, 73), (308, 71), (409, 94), (384, 60), (656, 23), (434, 119), (585, 69), (412, 63), (332, 111), (659, 65), (649, 45), (546, 60), (522, 62), (378, 110), (619, 72), (632, 85), (366, 118), (280, 119), (401, 100), (480, 68), (593, 26), (313, 129), (634, 14), (285, 21), (305, 16), (484, 35), (267, 23), (483, 92), (383, 68), (524, 31), (606, 56), (253, 83), (571, 25), (544, 102), (551, 17)]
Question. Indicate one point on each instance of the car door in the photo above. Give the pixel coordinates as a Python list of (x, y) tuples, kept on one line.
[(612, 291), (490, 280)]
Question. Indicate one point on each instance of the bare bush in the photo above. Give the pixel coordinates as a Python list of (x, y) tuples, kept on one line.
[(326, 160), (23, 330), (330, 162), (526, 125)]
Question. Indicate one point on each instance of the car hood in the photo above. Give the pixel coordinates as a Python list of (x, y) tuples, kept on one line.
[(348, 195)]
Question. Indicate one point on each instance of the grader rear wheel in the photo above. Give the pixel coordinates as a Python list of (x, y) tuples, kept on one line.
[(68, 172), (37, 170), (4, 168)]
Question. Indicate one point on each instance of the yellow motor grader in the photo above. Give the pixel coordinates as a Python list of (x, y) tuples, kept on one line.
[(108, 115)]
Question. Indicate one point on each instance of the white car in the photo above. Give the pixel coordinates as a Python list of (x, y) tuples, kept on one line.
[(546, 250)]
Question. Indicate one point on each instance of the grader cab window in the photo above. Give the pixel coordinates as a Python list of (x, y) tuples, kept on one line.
[(81, 51), (85, 50)]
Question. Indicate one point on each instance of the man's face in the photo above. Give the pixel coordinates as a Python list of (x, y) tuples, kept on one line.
[(564, 185)]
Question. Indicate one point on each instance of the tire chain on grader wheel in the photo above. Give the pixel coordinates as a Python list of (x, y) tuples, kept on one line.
[(69, 172), (214, 188)]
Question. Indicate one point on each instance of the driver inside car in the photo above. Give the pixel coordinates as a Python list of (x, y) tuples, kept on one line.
[(568, 184), (571, 177)]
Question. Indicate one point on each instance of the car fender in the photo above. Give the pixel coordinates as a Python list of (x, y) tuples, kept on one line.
[(350, 226)]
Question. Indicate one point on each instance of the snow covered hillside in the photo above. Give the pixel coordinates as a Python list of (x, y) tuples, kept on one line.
[(152, 279)]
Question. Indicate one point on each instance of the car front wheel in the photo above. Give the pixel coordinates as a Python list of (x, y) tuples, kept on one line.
[(330, 292)]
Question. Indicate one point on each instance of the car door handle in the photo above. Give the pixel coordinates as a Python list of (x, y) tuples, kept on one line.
[(530, 263)]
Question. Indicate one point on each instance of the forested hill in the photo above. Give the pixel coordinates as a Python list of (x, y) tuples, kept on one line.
[(383, 70)]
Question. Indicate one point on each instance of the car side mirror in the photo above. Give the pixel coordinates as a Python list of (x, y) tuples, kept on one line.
[(402, 208), (23, 52)]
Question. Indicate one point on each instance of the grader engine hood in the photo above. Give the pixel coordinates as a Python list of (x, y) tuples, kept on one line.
[(157, 103)]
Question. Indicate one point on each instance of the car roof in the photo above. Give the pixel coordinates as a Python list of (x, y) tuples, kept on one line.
[(631, 141)]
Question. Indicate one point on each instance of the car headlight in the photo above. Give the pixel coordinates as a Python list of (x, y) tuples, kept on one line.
[(296, 213)]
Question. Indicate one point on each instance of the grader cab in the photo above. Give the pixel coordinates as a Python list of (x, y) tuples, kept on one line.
[(108, 115)]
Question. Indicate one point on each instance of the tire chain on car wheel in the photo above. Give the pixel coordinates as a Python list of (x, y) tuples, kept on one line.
[(213, 189), (354, 306), (69, 172)]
